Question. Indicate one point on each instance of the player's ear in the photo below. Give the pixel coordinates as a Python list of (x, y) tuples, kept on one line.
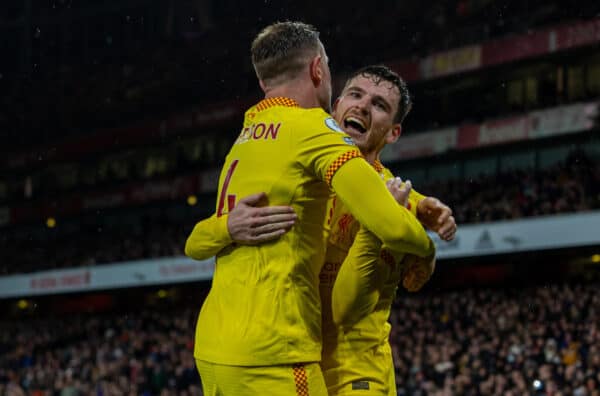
[(316, 70), (263, 86), (393, 134), (335, 104)]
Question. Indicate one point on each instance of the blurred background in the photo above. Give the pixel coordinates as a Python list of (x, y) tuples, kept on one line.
[(115, 117)]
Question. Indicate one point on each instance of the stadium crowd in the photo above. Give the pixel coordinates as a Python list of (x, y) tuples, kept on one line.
[(542, 340), (569, 186), (566, 187), (93, 246), (534, 341), (143, 353)]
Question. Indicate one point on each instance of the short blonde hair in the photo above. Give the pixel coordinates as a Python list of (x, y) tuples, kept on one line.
[(281, 50)]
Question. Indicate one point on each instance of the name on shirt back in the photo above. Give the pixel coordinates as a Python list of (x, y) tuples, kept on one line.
[(259, 131)]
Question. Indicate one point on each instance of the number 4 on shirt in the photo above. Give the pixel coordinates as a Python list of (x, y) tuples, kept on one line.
[(230, 197)]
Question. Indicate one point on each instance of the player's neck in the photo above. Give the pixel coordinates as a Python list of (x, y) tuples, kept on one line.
[(301, 91), (371, 157)]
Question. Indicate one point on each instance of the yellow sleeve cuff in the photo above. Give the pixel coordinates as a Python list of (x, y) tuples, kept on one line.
[(413, 199)]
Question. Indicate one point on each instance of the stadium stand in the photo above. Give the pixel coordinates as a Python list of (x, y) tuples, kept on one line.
[(568, 187), (143, 353), (140, 60), (571, 186), (536, 340)]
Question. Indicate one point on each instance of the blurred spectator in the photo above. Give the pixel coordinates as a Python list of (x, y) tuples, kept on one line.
[(91, 246), (535, 341), (532, 341), (142, 353), (572, 186)]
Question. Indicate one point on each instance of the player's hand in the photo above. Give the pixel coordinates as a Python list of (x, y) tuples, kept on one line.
[(400, 191), (417, 271), (252, 222), (437, 217)]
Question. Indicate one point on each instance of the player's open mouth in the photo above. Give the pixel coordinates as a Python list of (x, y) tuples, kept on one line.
[(354, 123)]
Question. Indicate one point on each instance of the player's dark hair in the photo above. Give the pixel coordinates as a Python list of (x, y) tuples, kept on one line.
[(379, 73), (281, 50)]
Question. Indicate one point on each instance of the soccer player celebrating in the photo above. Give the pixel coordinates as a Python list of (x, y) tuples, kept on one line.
[(259, 329), (372, 106), (360, 277)]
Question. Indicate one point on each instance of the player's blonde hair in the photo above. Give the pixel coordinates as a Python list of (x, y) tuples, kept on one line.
[(281, 50)]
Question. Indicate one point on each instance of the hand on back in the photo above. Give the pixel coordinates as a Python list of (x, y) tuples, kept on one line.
[(252, 221)]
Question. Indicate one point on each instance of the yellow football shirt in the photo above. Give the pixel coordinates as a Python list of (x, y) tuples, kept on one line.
[(356, 350), (264, 307)]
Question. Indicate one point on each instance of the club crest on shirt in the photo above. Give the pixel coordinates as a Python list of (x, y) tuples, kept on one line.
[(333, 125)]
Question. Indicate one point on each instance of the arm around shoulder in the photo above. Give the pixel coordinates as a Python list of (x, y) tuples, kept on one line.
[(368, 199)]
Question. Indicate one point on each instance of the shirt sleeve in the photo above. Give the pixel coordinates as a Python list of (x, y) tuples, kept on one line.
[(414, 197), (208, 238), (369, 201), (358, 283), (322, 148)]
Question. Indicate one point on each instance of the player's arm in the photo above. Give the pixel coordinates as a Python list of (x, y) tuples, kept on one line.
[(358, 283), (417, 271), (431, 212), (357, 287), (414, 199), (208, 238), (360, 188), (245, 224), (437, 216), (332, 157)]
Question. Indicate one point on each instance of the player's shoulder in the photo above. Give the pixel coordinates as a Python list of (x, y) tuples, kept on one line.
[(387, 173), (295, 114), (316, 120)]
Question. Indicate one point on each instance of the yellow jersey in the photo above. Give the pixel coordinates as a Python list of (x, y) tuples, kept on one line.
[(356, 352), (264, 306)]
